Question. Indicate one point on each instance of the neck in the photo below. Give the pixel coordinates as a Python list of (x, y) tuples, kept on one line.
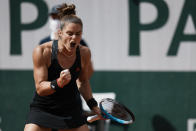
[(62, 49)]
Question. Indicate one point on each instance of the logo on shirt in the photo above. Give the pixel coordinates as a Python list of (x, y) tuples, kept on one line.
[(77, 69)]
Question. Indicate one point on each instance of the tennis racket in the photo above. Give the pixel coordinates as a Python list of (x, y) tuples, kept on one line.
[(110, 109)]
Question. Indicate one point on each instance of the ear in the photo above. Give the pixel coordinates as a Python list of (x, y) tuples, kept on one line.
[(60, 33)]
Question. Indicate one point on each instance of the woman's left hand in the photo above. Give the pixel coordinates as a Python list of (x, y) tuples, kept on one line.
[(97, 110)]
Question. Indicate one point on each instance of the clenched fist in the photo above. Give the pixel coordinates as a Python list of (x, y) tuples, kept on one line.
[(64, 79)]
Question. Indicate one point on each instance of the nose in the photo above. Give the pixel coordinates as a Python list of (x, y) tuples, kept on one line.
[(74, 37)]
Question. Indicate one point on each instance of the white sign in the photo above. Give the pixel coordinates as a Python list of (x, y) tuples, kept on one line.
[(107, 32), (191, 125)]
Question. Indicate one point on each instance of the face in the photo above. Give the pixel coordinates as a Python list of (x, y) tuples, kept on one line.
[(71, 35)]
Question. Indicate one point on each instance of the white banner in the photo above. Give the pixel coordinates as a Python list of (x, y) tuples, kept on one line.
[(107, 32)]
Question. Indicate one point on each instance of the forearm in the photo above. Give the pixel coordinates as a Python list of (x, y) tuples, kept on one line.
[(85, 90), (44, 88)]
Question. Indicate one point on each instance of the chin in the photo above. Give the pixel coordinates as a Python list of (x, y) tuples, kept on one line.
[(72, 49)]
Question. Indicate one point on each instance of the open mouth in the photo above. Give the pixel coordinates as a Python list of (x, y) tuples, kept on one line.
[(73, 44)]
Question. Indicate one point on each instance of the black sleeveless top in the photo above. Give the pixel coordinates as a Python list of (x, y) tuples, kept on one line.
[(65, 101)]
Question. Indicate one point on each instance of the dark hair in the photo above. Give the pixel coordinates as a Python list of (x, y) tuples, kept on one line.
[(67, 14)]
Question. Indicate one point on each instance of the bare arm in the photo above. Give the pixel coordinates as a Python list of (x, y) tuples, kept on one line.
[(90, 69), (43, 86), (41, 72), (83, 80)]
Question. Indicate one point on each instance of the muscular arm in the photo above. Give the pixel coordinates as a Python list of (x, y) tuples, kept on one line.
[(41, 72), (90, 69), (83, 80)]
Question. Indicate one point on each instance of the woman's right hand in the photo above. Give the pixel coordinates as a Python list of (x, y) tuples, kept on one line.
[(64, 79)]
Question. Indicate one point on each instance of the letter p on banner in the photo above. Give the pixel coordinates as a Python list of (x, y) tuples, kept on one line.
[(17, 26)]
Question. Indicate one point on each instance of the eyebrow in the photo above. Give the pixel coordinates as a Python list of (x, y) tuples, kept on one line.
[(73, 32)]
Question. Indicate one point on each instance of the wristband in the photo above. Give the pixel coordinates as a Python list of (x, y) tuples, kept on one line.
[(57, 81), (54, 85), (91, 103)]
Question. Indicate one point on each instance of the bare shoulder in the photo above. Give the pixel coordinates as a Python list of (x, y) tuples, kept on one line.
[(42, 52), (85, 51), (43, 49)]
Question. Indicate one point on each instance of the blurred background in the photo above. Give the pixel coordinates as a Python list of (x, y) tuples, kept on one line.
[(142, 50)]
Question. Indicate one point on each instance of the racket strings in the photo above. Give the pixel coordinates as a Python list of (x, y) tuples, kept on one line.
[(119, 112), (108, 106), (116, 110)]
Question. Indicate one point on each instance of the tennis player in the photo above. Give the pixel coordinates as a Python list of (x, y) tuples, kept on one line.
[(61, 74)]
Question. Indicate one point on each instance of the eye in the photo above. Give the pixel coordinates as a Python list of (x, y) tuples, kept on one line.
[(78, 34), (70, 33)]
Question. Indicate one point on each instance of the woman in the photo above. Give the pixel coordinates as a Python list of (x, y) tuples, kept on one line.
[(61, 74)]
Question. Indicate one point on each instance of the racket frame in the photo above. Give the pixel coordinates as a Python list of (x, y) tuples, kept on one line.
[(107, 115)]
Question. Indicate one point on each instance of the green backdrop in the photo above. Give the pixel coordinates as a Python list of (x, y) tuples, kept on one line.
[(161, 101)]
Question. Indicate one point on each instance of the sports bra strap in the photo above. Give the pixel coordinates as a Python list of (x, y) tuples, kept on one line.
[(54, 51)]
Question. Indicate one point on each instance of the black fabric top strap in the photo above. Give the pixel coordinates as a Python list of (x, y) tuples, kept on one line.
[(78, 57), (54, 50)]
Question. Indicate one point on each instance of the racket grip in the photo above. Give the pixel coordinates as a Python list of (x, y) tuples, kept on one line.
[(91, 119)]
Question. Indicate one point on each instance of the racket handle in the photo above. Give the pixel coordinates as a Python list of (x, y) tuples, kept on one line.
[(91, 119)]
